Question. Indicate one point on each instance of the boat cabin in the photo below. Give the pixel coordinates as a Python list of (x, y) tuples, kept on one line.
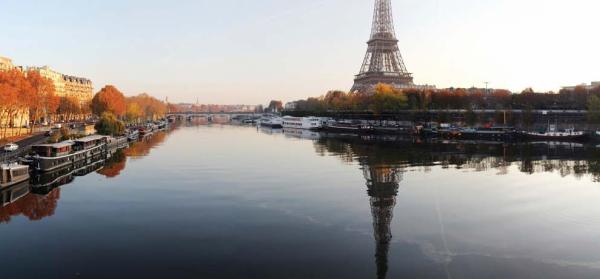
[(53, 150), (89, 142)]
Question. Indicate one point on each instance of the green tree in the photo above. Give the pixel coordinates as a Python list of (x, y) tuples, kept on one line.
[(109, 125), (593, 105)]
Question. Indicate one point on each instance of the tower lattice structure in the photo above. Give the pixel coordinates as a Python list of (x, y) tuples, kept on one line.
[(383, 62)]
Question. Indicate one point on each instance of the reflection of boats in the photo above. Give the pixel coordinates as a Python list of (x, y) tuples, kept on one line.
[(303, 134), (271, 121), (54, 156), (13, 193), (271, 131), (306, 123), (45, 182), (11, 174)]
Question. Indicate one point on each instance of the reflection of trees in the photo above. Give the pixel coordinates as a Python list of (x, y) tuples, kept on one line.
[(142, 148), (35, 207), (114, 165), (564, 159)]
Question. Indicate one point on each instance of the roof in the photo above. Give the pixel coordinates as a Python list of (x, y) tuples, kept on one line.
[(57, 145), (90, 138)]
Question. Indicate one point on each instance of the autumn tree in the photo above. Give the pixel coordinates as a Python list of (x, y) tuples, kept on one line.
[(275, 106), (43, 100), (109, 99), (69, 107)]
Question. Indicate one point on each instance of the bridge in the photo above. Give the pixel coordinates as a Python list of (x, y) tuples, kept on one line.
[(189, 115)]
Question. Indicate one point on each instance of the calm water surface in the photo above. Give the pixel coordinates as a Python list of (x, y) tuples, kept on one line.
[(241, 202)]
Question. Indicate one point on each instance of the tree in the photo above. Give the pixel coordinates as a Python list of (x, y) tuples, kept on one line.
[(69, 107), (275, 106), (386, 99), (109, 125), (109, 99), (593, 106), (43, 100), (134, 112)]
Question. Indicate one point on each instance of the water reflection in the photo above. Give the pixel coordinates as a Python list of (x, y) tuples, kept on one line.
[(18, 200), (38, 198), (384, 160), (567, 159)]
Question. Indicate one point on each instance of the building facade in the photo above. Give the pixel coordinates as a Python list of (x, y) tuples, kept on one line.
[(6, 64), (68, 86), (79, 88)]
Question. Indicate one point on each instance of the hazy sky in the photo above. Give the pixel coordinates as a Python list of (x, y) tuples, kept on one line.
[(251, 51)]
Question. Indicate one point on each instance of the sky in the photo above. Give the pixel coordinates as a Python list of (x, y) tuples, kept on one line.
[(252, 51)]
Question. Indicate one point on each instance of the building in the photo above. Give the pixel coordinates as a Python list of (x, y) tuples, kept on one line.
[(68, 86), (6, 64), (291, 106), (593, 85), (79, 88)]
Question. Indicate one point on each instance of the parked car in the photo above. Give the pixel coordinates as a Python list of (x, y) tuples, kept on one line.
[(58, 126), (49, 133), (11, 147)]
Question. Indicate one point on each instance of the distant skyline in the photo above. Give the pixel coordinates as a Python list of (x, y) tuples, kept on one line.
[(251, 51)]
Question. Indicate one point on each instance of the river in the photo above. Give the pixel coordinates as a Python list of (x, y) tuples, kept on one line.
[(226, 201)]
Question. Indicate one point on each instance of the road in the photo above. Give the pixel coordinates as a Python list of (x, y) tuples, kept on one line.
[(24, 146)]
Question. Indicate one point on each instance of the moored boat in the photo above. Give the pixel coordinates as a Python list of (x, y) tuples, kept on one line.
[(271, 121), (348, 127), (49, 157), (553, 135), (304, 123), (12, 174)]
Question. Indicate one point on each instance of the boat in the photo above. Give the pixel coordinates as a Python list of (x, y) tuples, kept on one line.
[(553, 134), (348, 127), (304, 123), (114, 143), (12, 174), (271, 121), (133, 135), (50, 157)]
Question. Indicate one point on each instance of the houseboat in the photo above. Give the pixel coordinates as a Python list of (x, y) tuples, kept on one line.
[(271, 121), (552, 134), (114, 143), (12, 174), (133, 135), (304, 123), (348, 127), (50, 157)]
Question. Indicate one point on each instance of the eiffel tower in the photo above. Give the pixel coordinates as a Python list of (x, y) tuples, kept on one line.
[(382, 183), (383, 62)]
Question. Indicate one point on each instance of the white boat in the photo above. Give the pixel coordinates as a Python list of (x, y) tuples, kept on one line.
[(11, 174), (304, 123), (271, 121)]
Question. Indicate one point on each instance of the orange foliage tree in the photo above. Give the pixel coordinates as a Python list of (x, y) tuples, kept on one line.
[(43, 100), (145, 107), (109, 99)]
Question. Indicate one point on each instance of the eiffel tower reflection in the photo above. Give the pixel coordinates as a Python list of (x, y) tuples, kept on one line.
[(382, 183)]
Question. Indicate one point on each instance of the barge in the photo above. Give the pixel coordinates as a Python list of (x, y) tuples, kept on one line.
[(49, 157), (12, 174)]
